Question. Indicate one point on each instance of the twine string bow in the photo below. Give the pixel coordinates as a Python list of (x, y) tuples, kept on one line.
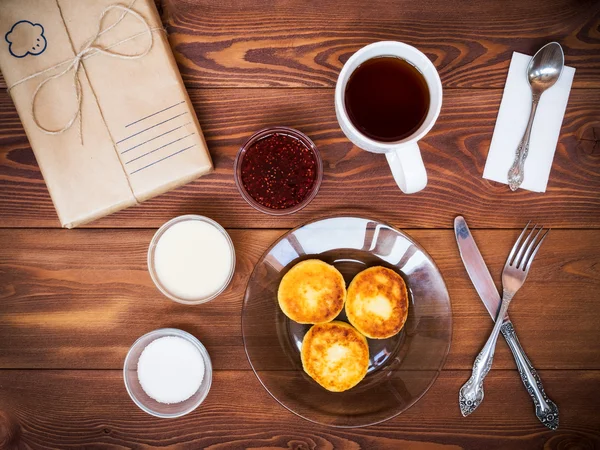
[(89, 49)]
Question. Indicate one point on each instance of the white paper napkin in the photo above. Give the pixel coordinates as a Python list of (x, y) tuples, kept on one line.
[(512, 120)]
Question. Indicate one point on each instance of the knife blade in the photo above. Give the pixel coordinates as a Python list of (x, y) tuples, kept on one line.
[(477, 269)]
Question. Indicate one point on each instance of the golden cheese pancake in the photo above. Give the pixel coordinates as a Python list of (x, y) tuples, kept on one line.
[(377, 302), (335, 355), (312, 292)]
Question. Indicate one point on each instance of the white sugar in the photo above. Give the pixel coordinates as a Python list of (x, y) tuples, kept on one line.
[(170, 369)]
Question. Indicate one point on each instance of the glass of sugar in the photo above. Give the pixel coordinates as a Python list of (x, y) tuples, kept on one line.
[(191, 259), (167, 373)]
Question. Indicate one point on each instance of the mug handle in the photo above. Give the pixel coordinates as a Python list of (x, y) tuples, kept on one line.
[(407, 168)]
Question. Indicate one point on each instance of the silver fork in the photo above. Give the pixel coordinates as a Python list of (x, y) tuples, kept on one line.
[(514, 274)]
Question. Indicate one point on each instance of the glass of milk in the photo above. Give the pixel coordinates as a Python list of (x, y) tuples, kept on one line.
[(191, 259)]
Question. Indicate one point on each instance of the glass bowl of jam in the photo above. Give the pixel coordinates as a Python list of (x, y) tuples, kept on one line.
[(278, 170)]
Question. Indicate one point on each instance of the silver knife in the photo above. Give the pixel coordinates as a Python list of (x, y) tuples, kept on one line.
[(545, 409)]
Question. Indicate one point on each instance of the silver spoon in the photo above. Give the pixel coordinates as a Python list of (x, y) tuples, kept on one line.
[(543, 71)]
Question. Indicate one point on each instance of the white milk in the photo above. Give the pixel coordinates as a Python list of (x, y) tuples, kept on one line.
[(193, 259)]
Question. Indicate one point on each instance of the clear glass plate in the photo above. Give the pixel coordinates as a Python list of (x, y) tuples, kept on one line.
[(402, 368)]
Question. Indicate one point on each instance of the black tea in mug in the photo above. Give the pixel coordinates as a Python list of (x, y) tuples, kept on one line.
[(387, 98)]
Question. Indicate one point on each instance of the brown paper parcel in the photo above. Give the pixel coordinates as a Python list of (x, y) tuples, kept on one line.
[(136, 134)]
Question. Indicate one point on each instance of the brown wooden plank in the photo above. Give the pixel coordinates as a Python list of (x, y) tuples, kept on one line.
[(354, 181), (80, 298), (91, 409), (232, 44), (293, 44)]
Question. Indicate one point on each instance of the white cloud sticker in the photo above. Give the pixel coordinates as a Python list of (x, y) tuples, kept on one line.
[(26, 38)]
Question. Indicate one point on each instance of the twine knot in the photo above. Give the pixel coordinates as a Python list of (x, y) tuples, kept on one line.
[(88, 50)]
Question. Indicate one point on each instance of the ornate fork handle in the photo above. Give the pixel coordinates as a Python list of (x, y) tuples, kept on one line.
[(471, 393), (516, 173), (545, 409)]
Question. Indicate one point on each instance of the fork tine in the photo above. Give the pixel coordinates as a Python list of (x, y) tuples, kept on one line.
[(523, 247), (516, 246), (535, 250), (529, 249)]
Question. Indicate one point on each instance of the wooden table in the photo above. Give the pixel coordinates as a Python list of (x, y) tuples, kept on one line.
[(73, 301)]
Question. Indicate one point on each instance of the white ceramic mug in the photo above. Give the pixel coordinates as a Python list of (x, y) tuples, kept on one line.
[(403, 156)]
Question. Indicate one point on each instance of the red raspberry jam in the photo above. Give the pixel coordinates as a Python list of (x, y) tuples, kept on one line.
[(279, 171)]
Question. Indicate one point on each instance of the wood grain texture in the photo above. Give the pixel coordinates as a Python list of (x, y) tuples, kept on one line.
[(294, 43), (80, 298), (354, 181), (304, 44), (91, 409)]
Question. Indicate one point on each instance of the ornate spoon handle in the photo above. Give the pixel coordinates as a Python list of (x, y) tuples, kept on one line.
[(471, 393), (545, 409), (517, 172)]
